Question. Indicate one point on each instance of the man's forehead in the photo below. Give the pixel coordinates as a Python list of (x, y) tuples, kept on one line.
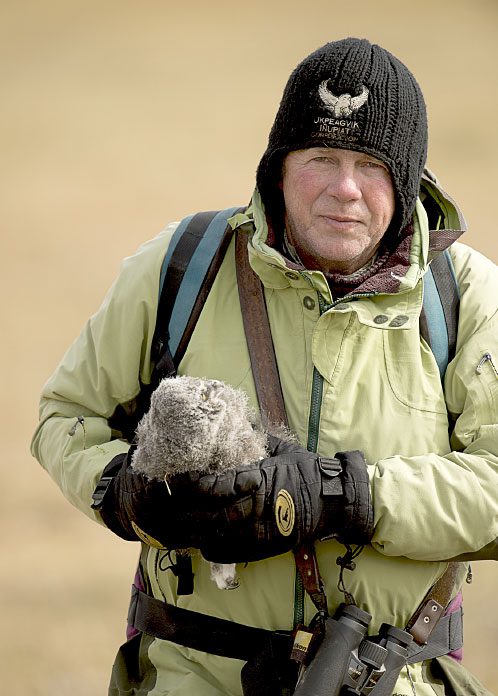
[(324, 151)]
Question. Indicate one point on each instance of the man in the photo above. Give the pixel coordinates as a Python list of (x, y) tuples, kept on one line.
[(340, 231)]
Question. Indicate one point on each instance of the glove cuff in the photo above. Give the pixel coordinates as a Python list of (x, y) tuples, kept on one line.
[(332, 496), (357, 520), (347, 512), (110, 472), (106, 499)]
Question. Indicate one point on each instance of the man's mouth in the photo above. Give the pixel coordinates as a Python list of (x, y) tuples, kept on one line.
[(341, 220)]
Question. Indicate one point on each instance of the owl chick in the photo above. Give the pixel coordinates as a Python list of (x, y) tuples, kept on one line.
[(200, 425)]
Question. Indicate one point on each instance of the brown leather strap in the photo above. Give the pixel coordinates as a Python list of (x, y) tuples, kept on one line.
[(271, 402), (259, 340), (268, 388), (432, 607), (307, 565)]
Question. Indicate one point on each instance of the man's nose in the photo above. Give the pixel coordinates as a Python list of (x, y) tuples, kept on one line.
[(343, 185)]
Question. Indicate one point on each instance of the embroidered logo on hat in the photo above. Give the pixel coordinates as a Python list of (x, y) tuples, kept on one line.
[(342, 125), (343, 105)]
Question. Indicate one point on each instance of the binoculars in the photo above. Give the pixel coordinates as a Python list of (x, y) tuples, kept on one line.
[(348, 662)]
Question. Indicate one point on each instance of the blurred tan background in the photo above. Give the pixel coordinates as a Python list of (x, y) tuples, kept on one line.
[(116, 118)]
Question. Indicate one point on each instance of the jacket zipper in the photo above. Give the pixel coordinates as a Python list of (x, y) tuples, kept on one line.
[(317, 384), (316, 397), (313, 432)]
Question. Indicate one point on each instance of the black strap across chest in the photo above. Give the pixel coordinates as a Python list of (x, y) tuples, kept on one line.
[(237, 641)]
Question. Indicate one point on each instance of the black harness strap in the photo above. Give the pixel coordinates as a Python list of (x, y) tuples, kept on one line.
[(201, 631), (447, 637), (230, 639), (430, 611)]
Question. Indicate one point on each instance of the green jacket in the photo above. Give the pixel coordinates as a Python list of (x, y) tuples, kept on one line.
[(378, 389)]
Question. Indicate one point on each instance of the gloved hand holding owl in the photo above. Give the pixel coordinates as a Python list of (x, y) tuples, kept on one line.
[(198, 425), (203, 474)]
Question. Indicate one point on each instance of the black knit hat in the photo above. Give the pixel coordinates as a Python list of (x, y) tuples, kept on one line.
[(354, 95)]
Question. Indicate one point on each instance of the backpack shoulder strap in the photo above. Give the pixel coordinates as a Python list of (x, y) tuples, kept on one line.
[(189, 268), (187, 274), (440, 309)]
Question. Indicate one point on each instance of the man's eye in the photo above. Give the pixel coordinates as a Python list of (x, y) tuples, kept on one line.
[(375, 165)]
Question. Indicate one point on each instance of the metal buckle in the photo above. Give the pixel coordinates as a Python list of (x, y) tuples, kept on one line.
[(100, 491)]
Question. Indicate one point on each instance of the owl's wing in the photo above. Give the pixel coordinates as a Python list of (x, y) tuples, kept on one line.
[(358, 101), (326, 95)]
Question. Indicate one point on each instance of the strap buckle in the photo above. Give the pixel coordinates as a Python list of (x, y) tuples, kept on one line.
[(331, 468), (100, 491), (426, 621)]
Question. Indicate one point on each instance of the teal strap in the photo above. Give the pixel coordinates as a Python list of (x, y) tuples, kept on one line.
[(195, 272), (434, 313)]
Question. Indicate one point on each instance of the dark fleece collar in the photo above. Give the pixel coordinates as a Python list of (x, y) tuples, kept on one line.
[(384, 275)]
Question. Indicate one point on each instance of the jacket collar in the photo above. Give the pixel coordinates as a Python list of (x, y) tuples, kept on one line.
[(437, 222)]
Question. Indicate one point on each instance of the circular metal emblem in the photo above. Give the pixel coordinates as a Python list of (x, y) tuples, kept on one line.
[(285, 513), (146, 538)]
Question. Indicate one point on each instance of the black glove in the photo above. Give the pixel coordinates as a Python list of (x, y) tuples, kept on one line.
[(273, 506), (134, 507)]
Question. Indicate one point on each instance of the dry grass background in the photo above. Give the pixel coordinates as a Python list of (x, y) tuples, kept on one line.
[(116, 118)]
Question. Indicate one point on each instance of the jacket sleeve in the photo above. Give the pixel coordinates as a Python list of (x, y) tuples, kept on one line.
[(103, 368), (434, 507)]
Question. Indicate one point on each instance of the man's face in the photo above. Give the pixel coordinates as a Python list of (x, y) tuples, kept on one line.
[(338, 205)]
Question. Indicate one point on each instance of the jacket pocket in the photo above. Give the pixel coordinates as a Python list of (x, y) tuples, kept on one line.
[(486, 386), (412, 371)]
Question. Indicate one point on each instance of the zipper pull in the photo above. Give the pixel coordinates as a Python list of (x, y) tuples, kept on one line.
[(468, 579), (487, 357), (79, 421)]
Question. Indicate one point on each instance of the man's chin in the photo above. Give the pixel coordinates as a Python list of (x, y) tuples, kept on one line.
[(346, 260)]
